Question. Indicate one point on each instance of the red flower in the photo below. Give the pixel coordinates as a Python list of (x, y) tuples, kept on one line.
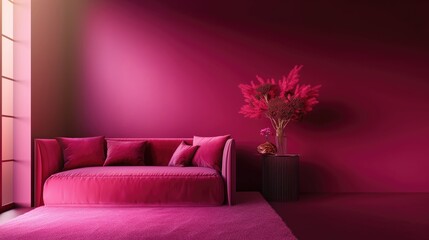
[(280, 101)]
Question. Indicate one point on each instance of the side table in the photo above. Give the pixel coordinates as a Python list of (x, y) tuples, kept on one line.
[(280, 177)]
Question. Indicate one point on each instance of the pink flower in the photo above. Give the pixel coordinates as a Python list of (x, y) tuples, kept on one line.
[(266, 132)]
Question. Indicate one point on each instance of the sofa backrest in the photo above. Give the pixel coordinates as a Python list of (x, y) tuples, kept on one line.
[(158, 151)]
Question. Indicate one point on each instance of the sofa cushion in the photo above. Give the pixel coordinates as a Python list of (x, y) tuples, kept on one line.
[(209, 153), (183, 155), (158, 151), (125, 153), (135, 185), (82, 152)]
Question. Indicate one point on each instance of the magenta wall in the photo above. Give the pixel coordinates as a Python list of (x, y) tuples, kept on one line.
[(172, 69)]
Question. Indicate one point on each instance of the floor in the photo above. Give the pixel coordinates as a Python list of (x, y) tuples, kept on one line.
[(357, 216), (135, 223), (6, 216), (347, 216)]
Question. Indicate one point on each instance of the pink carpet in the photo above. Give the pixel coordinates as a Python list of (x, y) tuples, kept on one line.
[(251, 218)]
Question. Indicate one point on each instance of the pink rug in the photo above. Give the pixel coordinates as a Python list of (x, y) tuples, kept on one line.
[(251, 218)]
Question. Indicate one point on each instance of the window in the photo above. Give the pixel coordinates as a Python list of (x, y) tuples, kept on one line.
[(7, 117)]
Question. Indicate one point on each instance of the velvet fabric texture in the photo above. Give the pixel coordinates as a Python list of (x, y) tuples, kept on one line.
[(82, 152), (183, 155), (135, 185), (125, 153), (158, 152), (209, 153)]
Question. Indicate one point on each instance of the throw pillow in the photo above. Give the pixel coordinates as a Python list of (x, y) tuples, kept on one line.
[(82, 152), (125, 153), (209, 154), (183, 155)]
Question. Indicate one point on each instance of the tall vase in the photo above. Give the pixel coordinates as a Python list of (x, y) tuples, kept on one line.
[(281, 141)]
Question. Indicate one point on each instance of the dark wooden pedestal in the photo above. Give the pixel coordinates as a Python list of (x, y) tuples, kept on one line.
[(280, 177)]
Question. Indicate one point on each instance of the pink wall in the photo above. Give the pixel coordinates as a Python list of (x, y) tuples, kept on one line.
[(172, 69)]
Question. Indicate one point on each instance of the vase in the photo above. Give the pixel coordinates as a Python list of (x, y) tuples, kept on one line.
[(281, 142)]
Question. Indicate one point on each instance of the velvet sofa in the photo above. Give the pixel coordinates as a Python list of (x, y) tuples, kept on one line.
[(154, 184)]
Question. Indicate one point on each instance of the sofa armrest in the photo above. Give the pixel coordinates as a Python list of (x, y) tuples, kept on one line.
[(228, 170), (48, 160)]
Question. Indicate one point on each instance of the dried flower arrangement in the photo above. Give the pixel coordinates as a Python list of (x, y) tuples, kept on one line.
[(280, 101)]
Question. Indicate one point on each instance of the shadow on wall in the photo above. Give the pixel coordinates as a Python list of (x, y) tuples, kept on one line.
[(327, 116), (324, 126), (55, 29)]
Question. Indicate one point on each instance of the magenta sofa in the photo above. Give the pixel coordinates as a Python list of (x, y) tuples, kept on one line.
[(155, 184)]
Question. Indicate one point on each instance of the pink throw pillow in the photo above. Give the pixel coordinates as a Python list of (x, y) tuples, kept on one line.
[(125, 153), (183, 155), (210, 152), (82, 152)]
